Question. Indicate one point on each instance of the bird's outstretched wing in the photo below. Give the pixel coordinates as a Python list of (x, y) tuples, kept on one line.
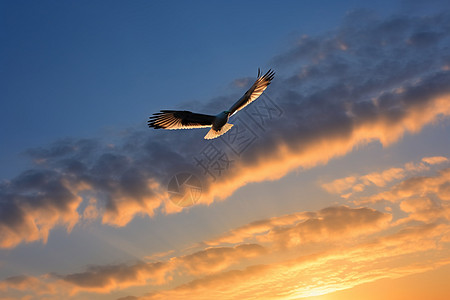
[(254, 92), (179, 119)]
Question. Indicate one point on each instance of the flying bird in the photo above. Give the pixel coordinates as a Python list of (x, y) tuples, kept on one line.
[(183, 119)]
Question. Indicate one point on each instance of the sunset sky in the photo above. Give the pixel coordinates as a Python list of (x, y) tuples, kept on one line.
[(334, 184)]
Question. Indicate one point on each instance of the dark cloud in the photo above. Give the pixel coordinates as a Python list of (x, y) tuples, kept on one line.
[(369, 73), (32, 204), (367, 54)]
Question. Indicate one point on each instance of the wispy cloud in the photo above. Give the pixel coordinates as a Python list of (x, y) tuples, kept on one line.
[(213, 260), (418, 186), (433, 160), (104, 279), (370, 80), (307, 227), (357, 183)]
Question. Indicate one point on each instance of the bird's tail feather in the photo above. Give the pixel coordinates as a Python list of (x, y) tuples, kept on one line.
[(212, 134)]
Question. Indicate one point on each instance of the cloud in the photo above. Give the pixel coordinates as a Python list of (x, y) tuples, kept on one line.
[(380, 179), (435, 160), (95, 279), (358, 183), (307, 227), (104, 279), (332, 223), (425, 209), (216, 259), (419, 186), (25, 283), (370, 80), (339, 185), (257, 228), (33, 203)]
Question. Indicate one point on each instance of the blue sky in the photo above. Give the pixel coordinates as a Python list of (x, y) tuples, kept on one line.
[(351, 167)]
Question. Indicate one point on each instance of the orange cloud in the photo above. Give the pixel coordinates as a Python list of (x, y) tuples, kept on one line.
[(213, 260), (306, 227), (425, 209), (435, 160), (339, 185), (416, 187), (257, 228), (331, 224), (104, 279), (379, 179)]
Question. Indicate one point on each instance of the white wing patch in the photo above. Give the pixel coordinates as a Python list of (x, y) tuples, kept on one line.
[(212, 134)]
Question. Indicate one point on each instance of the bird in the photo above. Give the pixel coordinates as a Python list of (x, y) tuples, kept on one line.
[(183, 119)]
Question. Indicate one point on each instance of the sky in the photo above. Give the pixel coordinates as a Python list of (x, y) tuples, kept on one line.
[(334, 184)]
